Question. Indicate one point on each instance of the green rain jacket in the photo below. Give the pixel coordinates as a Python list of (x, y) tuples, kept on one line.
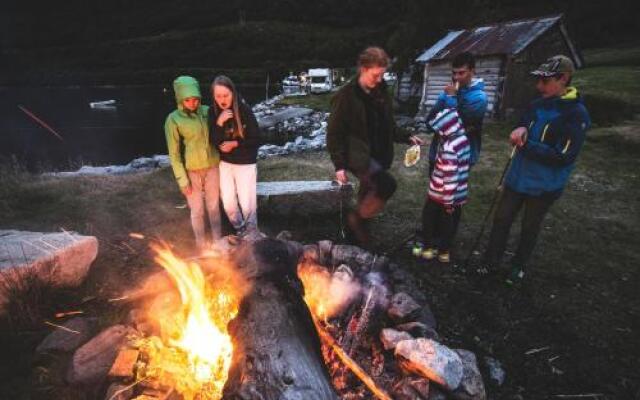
[(188, 132)]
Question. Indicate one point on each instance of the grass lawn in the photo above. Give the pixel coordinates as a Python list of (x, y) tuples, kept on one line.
[(579, 305)]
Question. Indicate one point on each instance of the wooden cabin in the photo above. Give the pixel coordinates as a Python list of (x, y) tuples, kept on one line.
[(505, 54)]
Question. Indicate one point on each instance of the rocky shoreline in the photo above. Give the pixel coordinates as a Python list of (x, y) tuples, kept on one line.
[(278, 123)]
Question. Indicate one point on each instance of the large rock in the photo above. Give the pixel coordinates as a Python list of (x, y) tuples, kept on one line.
[(62, 340), (352, 255), (60, 259), (302, 197), (403, 308), (92, 361), (472, 385), (432, 360), (269, 121), (391, 337)]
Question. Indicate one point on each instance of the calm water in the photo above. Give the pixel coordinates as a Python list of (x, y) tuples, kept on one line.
[(132, 129)]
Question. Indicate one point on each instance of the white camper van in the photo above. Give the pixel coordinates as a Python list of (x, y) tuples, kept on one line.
[(321, 80)]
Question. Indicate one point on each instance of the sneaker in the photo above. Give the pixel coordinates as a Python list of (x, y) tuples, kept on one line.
[(444, 257), (429, 254), (515, 277), (416, 251)]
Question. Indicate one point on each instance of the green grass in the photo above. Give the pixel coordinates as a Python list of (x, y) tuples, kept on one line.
[(621, 55), (320, 102), (610, 84)]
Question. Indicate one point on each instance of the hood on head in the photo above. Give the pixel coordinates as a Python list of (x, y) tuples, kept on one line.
[(447, 123), (185, 87)]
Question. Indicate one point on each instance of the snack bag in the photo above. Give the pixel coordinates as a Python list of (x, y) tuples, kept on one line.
[(412, 156)]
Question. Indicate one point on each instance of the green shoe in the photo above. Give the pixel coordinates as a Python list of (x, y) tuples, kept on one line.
[(429, 254), (417, 250), (515, 277)]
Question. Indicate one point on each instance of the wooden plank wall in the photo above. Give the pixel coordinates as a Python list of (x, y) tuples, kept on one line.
[(408, 86), (438, 75)]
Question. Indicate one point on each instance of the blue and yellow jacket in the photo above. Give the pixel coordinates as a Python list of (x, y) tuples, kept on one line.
[(557, 128), (471, 103)]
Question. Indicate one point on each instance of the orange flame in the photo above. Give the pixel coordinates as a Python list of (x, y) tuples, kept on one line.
[(196, 354)]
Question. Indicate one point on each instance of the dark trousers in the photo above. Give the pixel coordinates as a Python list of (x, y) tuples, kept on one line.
[(510, 203), (437, 223), (432, 166)]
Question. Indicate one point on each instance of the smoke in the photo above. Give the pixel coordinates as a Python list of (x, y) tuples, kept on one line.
[(328, 295)]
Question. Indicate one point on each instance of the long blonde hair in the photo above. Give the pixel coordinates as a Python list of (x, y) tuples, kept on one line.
[(222, 80)]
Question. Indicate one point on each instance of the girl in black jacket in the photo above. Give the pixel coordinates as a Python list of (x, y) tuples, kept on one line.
[(236, 135)]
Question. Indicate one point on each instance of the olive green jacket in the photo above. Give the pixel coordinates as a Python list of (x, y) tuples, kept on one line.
[(347, 135), (188, 133)]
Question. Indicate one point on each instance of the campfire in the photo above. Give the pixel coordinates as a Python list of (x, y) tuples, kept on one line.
[(275, 319), (193, 352)]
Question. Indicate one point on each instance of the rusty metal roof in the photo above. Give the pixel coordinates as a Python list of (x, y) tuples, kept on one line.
[(504, 38)]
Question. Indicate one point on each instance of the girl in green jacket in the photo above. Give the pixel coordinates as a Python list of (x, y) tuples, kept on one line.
[(197, 172)]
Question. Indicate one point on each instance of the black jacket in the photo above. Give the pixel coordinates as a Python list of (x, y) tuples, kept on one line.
[(247, 150), (349, 132)]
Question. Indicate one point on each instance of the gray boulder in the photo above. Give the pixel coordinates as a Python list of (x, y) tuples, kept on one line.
[(91, 362), (59, 259), (61, 340), (403, 308), (472, 385), (431, 360)]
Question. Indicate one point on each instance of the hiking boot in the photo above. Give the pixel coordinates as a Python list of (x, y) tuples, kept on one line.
[(515, 276), (444, 257), (429, 254)]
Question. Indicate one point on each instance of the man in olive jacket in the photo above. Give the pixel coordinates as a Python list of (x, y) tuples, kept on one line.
[(360, 139)]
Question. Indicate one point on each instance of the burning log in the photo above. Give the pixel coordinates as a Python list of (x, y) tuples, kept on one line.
[(352, 365), (276, 347)]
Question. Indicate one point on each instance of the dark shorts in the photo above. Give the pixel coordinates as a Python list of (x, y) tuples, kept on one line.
[(377, 181)]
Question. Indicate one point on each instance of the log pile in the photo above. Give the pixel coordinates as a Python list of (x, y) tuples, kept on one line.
[(321, 321)]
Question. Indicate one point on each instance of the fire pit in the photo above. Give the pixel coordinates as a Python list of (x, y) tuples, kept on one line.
[(276, 319)]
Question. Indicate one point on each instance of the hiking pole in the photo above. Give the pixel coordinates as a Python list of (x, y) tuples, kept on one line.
[(491, 207), (342, 234)]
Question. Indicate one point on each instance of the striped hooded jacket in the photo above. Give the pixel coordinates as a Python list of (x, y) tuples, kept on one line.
[(448, 182)]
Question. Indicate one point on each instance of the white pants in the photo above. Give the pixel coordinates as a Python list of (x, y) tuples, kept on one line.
[(238, 193)]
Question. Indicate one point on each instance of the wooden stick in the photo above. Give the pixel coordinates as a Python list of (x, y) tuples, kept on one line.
[(124, 389), (351, 364), (68, 313), (64, 328), (534, 351), (40, 122)]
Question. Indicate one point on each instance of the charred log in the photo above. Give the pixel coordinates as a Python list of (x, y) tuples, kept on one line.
[(277, 353)]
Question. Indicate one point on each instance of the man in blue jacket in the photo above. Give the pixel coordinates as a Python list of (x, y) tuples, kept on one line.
[(548, 138), (466, 94)]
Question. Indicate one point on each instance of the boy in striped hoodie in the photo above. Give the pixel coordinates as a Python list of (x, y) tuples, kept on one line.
[(447, 185)]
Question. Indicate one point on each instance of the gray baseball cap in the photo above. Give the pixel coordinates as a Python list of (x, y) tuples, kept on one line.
[(555, 65)]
